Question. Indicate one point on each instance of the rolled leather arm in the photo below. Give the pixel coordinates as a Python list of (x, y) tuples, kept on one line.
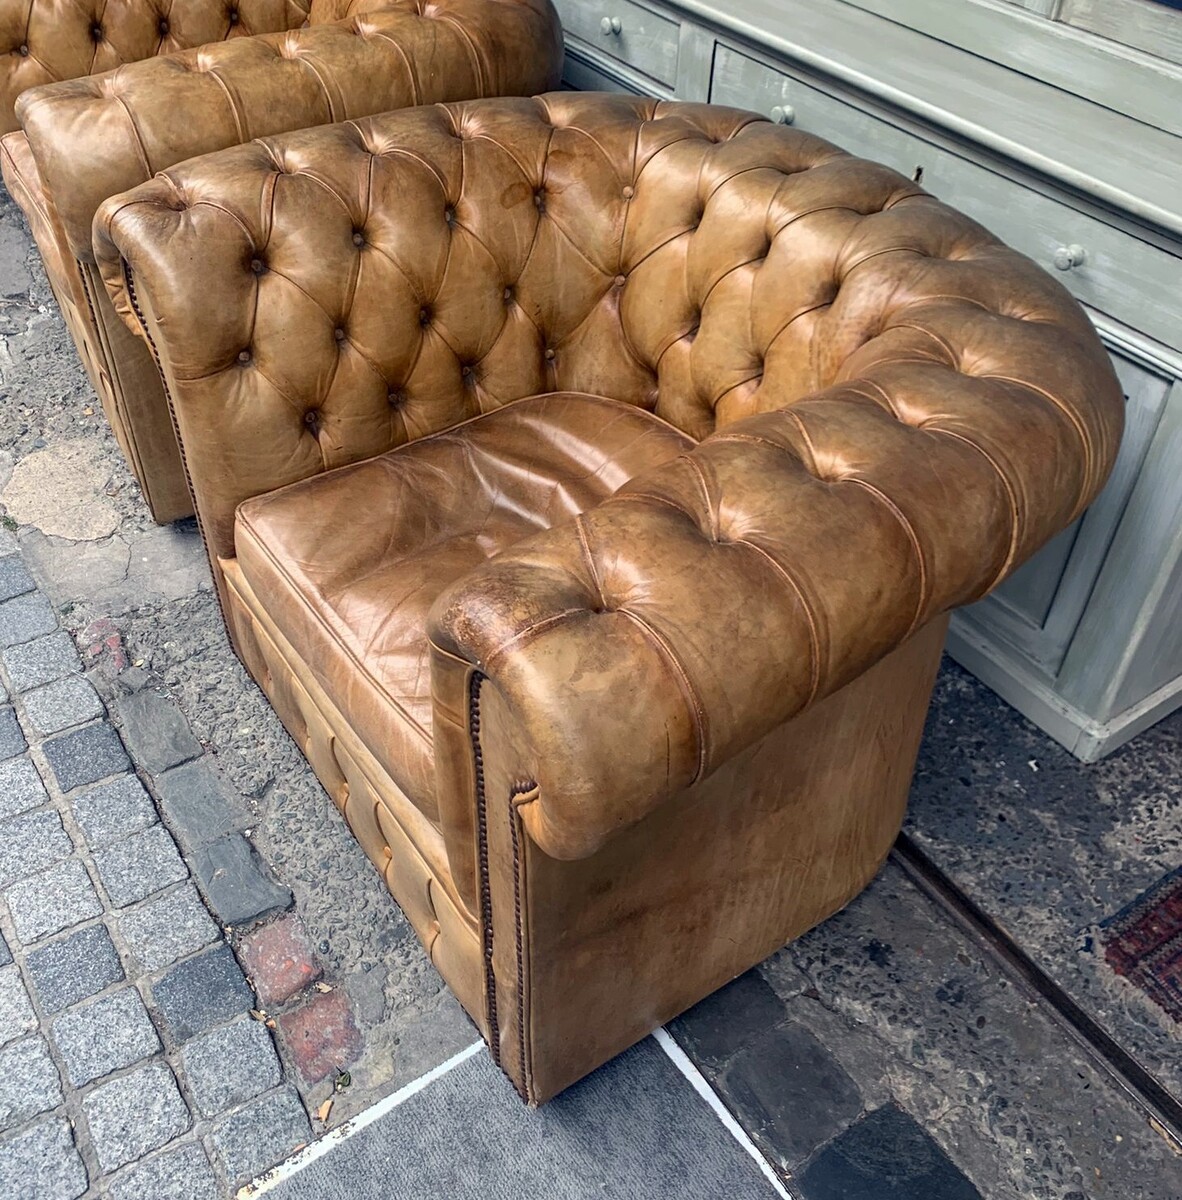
[(44, 42), (96, 137), (721, 594)]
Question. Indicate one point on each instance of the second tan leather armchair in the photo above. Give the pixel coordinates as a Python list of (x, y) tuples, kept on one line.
[(84, 139), (587, 480)]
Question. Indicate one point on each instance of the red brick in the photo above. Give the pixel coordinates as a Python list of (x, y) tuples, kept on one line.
[(321, 1035), (279, 959)]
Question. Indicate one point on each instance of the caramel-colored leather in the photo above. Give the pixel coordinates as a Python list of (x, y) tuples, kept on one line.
[(44, 41), (91, 137), (671, 724), (417, 519)]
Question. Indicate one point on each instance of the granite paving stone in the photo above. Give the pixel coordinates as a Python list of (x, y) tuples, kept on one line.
[(24, 618), (201, 992), (133, 1114), (55, 899), (261, 1134), (139, 865), (41, 661), (112, 811), (41, 1163), (166, 928), (16, 1012), (14, 577), (230, 1065), (197, 807), (86, 755), (31, 842), (12, 740), (885, 1156), (20, 787), (96, 1039), (73, 968), (62, 704), (182, 1173), (156, 731), (236, 883), (29, 1082)]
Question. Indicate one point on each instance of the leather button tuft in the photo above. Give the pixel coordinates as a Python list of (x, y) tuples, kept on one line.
[(244, 356), (628, 192), (96, 32), (358, 238), (507, 294), (424, 316), (396, 398), (232, 16), (549, 354), (339, 334), (449, 215), (258, 266), (23, 51), (620, 280), (466, 372), (163, 27)]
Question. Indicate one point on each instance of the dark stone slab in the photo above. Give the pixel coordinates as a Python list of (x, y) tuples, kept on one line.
[(5, 953), (235, 883), (885, 1156), (76, 967), (86, 755), (156, 731), (727, 1020), (790, 1092), (196, 806), (12, 740), (202, 992)]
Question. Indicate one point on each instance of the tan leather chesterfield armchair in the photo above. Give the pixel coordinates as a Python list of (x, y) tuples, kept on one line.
[(262, 67), (586, 480)]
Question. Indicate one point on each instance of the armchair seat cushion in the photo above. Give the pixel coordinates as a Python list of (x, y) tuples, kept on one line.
[(349, 562)]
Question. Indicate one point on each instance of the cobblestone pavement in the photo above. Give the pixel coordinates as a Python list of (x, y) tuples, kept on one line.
[(130, 1063)]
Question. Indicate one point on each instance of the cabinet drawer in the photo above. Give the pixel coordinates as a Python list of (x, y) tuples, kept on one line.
[(625, 31), (1130, 280)]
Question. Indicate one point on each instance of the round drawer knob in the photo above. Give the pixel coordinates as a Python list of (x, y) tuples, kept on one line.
[(783, 114), (610, 25), (1066, 258)]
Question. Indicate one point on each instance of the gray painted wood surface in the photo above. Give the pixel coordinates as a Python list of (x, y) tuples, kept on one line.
[(1086, 639)]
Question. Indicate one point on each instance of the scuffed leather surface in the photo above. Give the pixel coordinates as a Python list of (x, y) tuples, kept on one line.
[(351, 561), (99, 135), (44, 41), (676, 727), (897, 409)]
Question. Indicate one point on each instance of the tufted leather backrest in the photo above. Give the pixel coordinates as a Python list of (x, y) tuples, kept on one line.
[(99, 135), (43, 41), (319, 298)]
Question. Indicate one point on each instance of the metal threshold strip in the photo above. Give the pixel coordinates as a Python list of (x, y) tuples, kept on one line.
[(1161, 1109)]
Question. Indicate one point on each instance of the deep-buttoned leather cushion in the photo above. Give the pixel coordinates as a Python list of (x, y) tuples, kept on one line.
[(348, 563)]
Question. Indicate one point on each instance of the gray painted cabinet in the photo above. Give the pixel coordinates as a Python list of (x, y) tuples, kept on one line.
[(1067, 145)]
